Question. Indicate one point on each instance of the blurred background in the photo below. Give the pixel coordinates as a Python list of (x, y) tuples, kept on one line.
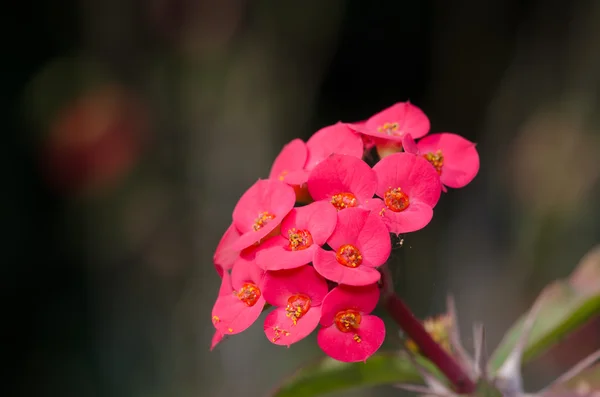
[(133, 127)]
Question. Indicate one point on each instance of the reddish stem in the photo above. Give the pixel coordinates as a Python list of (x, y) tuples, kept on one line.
[(427, 346)]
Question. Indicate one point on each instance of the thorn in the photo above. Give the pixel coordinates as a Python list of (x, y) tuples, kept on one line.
[(509, 378), (481, 356), (574, 371), (463, 357)]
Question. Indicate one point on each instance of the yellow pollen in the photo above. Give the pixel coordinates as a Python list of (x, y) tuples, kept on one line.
[(382, 212), (279, 333), (282, 175), (347, 320), (230, 330), (249, 294), (297, 307), (344, 200), (436, 159), (349, 256), (389, 129), (357, 338), (216, 319), (262, 219), (299, 239), (396, 200)]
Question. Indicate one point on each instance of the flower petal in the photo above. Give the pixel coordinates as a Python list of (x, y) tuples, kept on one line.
[(364, 299), (408, 119), (337, 138), (461, 160), (415, 217), (291, 158), (353, 346), (225, 255), (413, 174), (342, 174), (328, 267), (280, 285), (280, 329), (266, 196)]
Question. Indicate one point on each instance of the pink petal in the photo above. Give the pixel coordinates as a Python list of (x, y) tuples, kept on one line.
[(280, 285), (226, 287), (281, 330), (415, 217), (364, 230), (278, 257), (409, 144), (318, 217), (349, 223), (410, 119), (342, 174), (232, 316), (291, 158), (374, 241), (353, 346), (343, 297), (217, 337), (413, 174), (337, 138), (461, 160), (245, 271), (326, 264), (268, 195), (225, 256)]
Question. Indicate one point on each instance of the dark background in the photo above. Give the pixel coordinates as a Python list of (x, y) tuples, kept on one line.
[(106, 267)]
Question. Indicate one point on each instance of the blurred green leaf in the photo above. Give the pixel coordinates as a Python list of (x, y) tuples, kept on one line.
[(585, 384), (567, 305), (328, 375)]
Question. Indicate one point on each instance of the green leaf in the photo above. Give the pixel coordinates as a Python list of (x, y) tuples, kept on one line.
[(585, 384), (328, 375), (567, 304)]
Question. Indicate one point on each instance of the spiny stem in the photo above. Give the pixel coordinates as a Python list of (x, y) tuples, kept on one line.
[(407, 321)]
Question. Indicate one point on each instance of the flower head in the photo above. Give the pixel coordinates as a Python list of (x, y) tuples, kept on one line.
[(349, 332), (345, 181), (409, 188), (360, 243), (240, 299), (297, 294), (454, 158), (393, 123), (303, 230), (288, 167), (260, 210)]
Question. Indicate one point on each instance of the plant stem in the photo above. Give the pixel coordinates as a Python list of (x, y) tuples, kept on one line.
[(407, 321)]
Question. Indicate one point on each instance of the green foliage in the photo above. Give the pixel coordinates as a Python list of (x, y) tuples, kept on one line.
[(328, 375), (567, 304)]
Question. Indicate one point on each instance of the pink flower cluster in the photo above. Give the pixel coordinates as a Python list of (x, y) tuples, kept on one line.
[(308, 240)]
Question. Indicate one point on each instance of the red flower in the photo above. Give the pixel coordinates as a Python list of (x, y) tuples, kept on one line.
[(303, 230), (454, 158), (360, 242), (297, 294), (240, 300), (260, 210), (410, 189), (345, 181), (349, 332), (393, 123)]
